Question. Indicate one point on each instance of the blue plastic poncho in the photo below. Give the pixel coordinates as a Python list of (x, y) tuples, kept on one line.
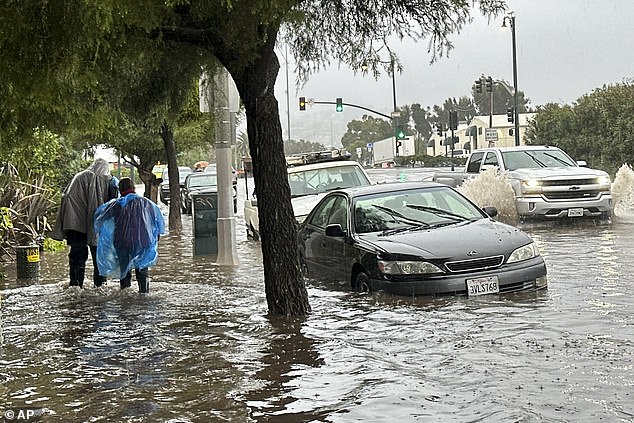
[(128, 229)]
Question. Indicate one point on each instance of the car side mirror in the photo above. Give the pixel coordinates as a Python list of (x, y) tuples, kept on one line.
[(491, 211), (335, 230)]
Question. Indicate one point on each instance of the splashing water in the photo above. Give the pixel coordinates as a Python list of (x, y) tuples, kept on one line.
[(623, 193), (492, 188)]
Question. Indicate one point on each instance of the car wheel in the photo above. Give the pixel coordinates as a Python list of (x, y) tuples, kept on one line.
[(362, 283)]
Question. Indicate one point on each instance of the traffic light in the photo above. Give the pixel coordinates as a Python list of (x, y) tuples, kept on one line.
[(302, 103), (400, 134), (453, 120), (489, 84), (478, 84), (439, 130), (339, 106), (510, 114)]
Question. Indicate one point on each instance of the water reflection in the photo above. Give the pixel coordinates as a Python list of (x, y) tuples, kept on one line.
[(289, 354)]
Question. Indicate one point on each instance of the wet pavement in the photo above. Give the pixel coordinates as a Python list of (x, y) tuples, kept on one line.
[(201, 348)]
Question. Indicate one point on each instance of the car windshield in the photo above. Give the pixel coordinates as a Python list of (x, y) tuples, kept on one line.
[(320, 180), (182, 173), (533, 159), (413, 209), (203, 180)]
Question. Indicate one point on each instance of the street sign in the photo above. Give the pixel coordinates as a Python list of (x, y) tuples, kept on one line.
[(491, 134), (395, 114)]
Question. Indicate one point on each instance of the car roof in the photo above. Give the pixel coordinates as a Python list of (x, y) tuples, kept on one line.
[(323, 165), (388, 187), (519, 148)]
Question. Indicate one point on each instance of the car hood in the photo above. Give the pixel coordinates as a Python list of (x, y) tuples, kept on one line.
[(461, 241), (557, 172)]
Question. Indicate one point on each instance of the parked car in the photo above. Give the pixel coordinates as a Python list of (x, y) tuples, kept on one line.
[(418, 238), (199, 183), (310, 176), (164, 189)]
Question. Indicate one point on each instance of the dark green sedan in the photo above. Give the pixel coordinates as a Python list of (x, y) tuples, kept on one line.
[(418, 238)]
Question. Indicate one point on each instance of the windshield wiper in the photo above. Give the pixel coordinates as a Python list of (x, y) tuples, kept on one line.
[(413, 227), (535, 159), (558, 159), (438, 212), (394, 213)]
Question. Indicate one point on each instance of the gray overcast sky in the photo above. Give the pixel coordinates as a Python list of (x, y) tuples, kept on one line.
[(565, 48)]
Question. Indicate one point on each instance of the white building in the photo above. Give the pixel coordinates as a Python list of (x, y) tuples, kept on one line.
[(473, 136)]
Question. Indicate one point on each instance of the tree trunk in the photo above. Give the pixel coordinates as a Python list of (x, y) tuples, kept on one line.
[(150, 183), (284, 284), (175, 223)]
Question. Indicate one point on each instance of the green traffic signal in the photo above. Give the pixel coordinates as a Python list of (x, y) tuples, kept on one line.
[(400, 135), (339, 106)]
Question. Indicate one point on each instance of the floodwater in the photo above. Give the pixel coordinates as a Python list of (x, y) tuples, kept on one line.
[(201, 348)]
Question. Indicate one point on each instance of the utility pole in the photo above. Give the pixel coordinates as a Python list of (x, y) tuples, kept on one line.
[(510, 18), (227, 253)]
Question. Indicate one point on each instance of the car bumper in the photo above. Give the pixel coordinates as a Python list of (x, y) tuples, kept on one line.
[(530, 275), (537, 207)]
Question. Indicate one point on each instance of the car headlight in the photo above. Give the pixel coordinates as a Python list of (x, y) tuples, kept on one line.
[(531, 184), (604, 180), (408, 267), (524, 253)]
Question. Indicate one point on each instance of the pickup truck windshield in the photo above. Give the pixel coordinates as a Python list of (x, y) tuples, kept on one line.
[(535, 159)]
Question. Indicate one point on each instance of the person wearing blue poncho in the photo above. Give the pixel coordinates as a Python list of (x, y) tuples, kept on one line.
[(128, 229)]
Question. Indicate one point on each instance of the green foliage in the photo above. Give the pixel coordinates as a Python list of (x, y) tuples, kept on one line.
[(50, 244), (597, 128), (302, 146), (366, 130)]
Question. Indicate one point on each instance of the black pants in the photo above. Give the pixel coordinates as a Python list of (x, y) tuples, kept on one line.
[(141, 278), (77, 259)]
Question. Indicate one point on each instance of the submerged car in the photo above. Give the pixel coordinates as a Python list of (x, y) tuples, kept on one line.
[(418, 238), (164, 189), (201, 183)]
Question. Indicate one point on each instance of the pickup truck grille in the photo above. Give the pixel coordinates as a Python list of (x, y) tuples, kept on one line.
[(572, 195), (564, 182), (475, 264)]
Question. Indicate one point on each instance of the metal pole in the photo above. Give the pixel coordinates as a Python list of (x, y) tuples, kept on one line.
[(515, 118), (227, 253), (491, 109), (395, 120)]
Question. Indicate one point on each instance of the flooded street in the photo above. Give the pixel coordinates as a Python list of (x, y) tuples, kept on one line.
[(201, 348)]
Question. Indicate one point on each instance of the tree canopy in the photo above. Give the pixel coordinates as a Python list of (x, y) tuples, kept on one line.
[(58, 52), (596, 128)]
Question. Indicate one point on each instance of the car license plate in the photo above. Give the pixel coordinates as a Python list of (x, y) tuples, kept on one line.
[(482, 286), (575, 212)]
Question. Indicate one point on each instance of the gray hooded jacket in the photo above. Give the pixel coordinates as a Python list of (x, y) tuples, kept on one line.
[(87, 190)]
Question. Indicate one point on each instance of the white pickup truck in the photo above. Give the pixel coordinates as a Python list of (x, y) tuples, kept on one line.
[(310, 176), (547, 182)]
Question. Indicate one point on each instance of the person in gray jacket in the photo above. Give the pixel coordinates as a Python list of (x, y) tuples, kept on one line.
[(87, 190)]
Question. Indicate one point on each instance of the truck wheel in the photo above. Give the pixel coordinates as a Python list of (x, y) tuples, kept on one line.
[(362, 283)]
